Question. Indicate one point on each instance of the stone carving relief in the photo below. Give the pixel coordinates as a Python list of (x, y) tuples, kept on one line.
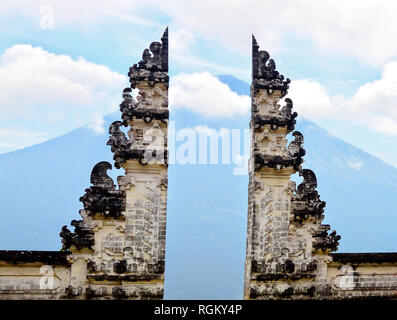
[(153, 68), (264, 73)]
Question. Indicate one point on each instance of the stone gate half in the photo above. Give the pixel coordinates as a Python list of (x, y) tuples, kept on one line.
[(117, 249), (288, 248)]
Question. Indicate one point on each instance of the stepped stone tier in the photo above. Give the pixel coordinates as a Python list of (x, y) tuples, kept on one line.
[(117, 249), (288, 248)]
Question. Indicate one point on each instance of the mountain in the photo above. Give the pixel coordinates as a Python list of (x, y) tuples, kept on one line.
[(207, 204)]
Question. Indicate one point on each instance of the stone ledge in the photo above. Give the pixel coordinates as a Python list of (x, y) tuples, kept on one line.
[(365, 257), (45, 257), (128, 277)]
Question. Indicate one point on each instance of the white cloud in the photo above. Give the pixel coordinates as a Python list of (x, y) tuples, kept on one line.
[(374, 105), (97, 124), (310, 99), (362, 29), (36, 85), (206, 95), (86, 13), (18, 138), (180, 41), (342, 26), (356, 165)]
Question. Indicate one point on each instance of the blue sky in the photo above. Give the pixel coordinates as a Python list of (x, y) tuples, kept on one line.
[(64, 64)]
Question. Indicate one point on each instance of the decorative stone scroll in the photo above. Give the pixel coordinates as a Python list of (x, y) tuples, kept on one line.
[(103, 198), (153, 67), (264, 73)]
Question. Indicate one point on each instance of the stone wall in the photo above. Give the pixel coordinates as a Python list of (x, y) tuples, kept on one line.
[(362, 275), (33, 274)]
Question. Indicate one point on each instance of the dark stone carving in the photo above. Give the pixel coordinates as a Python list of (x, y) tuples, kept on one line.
[(44, 257), (283, 118), (263, 277), (295, 159), (99, 177), (287, 109), (119, 143), (82, 237), (295, 147), (287, 293), (91, 266), (289, 266), (125, 277), (147, 294), (324, 241), (123, 151), (144, 156), (276, 162), (371, 257), (154, 271), (73, 291), (117, 140), (103, 198), (119, 292), (67, 237), (264, 73), (311, 291), (254, 293), (285, 270), (131, 109), (306, 202), (157, 268), (259, 121), (154, 64), (312, 266), (92, 292), (120, 266), (128, 113)]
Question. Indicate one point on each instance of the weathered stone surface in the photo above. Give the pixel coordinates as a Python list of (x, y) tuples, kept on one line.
[(279, 251)]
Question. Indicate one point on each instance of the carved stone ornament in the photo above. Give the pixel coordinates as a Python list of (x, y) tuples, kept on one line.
[(102, 197), (154, 64), (264, 73)]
